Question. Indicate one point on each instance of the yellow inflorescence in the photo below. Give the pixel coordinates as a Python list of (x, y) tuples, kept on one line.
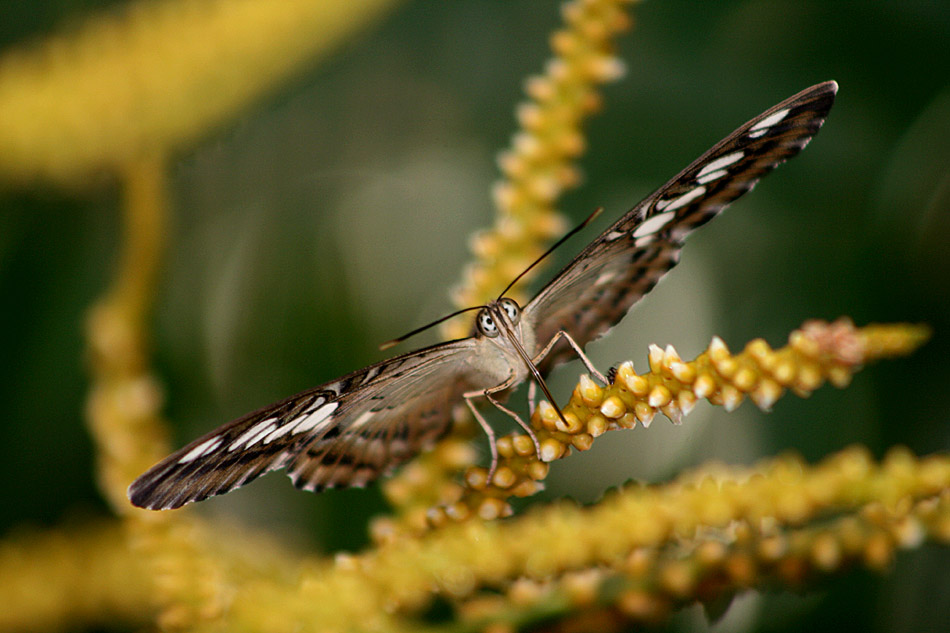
[(642, 551), (632, 557), (72, 578), (818, 352), (154, 77), (538, 167)]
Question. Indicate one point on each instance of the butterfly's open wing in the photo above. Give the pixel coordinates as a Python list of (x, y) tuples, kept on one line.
[(595, 291), (344, 433)]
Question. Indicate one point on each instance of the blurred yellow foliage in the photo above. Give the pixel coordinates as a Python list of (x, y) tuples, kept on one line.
[(153, 77), (538, 168)]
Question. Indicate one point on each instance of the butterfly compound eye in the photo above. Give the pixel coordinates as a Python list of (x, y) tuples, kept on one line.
[(511, 308), (486, 324)]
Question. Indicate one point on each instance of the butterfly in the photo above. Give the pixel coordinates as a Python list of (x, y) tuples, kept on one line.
[(350, 431)]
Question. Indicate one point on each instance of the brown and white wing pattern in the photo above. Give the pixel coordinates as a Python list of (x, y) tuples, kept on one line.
[(344, 433), (595, 291)]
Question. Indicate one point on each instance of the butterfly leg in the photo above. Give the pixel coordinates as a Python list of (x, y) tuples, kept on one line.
[(577, 348), (521, 423), (532, 397), (488, 431), (487, 394)]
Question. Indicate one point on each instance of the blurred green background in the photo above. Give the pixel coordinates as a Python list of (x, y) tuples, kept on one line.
[(335, 215)]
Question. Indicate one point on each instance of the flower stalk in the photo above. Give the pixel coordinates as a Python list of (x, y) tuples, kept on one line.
[(816, 353)]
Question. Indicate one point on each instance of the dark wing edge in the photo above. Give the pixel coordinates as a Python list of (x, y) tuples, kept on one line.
[(344, 433), (597, 289)]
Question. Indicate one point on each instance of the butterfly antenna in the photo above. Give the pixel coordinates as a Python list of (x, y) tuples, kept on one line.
[(563, 239), (400, 339)]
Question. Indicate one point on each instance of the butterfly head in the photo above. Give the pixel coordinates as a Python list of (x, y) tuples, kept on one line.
[(495, 316)]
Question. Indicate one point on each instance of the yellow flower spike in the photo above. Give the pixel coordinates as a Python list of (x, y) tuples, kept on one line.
[(582, 587), (154, 78), (826, 552), (613, 407), (677, 579), (683, 372), (809, 377), (597, 426), (638, 385), (476, 478), (644, 413), (70, 578), (840, 376), (548, 415), (538, 470), (659, 396), (551, 450), (582, 441), (878, 552), (766, 393), (804, 345), (526, 592), (537, 167), (504, 477), (634, 397), (526, 488), (673, 412), (686, 401), (704, 386), (726, 366), (717, 350), (505, 446), (772, 548), (523, 445), (759, 350), (670, 355), (626, 421), (731, 397), (590, 392), (655, 358), (745, 379), (785, 372), (624, 371)]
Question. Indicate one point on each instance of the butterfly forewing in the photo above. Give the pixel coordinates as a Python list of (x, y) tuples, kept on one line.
[(596, 290), (344, 433)]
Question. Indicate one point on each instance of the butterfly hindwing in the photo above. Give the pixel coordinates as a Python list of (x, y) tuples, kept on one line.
[(596, 290), (344, 433)]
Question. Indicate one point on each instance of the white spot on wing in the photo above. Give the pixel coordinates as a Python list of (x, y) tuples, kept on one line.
[(686, 198), (606, 277), (254, 439), (760, 128), (363, 419), (370, 375), (720, 163), (280, 430), (316, 417), (614, 235), (202, 449), (252, 433), (713, 175), (654, 224)]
